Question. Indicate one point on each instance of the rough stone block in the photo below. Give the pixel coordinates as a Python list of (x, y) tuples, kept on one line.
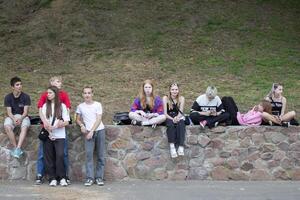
[(246, 166), (192, 139), (260, 175), (258, 138), (197, 173), (278, 137), (295, 146), (203, 140), (178, 175), (295, 174), (266, 156), (220, 173), (114, 170), (232, 163)]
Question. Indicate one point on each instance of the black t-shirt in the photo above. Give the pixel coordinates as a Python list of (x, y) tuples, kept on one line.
[(17, 104)]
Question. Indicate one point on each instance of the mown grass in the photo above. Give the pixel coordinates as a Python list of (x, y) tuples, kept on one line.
[(242, 47)]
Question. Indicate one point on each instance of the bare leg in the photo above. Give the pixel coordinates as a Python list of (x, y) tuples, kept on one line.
[(268, 117), (23, 134), (11, 135), (137, 117), (288, 116), (157, 120)]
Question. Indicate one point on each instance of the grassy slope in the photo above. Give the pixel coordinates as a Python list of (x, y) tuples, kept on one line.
[(240, 46)]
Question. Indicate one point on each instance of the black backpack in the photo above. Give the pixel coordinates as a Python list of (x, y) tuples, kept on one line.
[(230, 107)]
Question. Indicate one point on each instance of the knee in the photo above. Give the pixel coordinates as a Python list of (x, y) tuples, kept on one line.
[(293, 113), (226, 115), (132, 115), (194, 115), (7, 128)]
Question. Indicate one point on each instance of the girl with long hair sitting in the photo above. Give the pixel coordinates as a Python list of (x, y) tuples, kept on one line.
[(279, 104), (147, 109), (173, 109)]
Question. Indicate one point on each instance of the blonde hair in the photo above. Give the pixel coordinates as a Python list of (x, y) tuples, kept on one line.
[(211, 91), (142, 95), (274, 87), (53, 78), (169, 96)]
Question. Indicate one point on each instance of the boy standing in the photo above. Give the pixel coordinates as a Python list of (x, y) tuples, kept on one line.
[(89, 118), (64, 98), (17, 104)]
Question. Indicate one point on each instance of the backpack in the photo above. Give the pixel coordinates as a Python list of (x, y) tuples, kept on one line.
[(230, 107)]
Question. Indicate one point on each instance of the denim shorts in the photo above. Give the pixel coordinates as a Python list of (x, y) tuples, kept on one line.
[(9, 122)]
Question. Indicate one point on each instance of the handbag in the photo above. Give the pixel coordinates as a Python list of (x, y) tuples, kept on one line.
[(187, 120), (44, 134), (121, 118)]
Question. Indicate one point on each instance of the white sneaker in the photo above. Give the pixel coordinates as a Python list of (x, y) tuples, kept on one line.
[(63, 182), (53, 183), (173, 153), (180, 151)]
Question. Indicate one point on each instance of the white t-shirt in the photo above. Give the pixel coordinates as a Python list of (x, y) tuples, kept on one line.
[(206, 105), (88, 113), (59, 132)]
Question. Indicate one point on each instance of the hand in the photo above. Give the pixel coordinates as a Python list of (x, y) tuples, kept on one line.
[(17, 121), (175, 120), (83, 130), (51, 136), (89, 135), (60, 124), (213, 113), (255, 108)]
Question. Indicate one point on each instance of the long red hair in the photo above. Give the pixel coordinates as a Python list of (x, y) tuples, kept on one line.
[(142, 95)]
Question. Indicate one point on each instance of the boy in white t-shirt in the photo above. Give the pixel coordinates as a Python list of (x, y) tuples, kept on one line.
[(89, 118)]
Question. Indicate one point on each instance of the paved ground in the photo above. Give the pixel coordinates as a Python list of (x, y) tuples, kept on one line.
[(152, 190)]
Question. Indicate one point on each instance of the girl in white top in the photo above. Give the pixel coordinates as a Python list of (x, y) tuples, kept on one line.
[(53, 111)]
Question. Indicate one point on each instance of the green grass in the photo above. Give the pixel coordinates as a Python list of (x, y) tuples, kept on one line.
[(242, 47)]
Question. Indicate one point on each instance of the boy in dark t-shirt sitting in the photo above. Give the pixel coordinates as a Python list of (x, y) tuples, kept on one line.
[(17, 104)]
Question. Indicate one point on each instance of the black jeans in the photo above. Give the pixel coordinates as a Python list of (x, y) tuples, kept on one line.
[(54, 158), (176, 132), (211, 120)]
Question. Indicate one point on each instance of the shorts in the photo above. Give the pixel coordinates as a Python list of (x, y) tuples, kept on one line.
[(9, 122)]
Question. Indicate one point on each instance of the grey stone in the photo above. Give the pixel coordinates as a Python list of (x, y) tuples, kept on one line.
[(246, 166), (278, 137), (224, 154), (198, 173), (266, 156)]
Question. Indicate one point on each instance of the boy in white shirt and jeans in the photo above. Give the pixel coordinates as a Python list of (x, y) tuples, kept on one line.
[(89, 118)]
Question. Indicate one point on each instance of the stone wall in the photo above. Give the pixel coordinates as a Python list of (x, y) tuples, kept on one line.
[(223, 153)]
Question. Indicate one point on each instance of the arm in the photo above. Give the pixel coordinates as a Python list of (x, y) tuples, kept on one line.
[(25, 112), (196, 108), (135, 107), (95, 126), (283, 106), (165, 100), (9, 114), (79, 121), (181, 108)]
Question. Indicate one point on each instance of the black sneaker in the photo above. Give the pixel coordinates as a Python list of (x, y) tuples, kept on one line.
[(39, 180), (99, 182), (285, 124)]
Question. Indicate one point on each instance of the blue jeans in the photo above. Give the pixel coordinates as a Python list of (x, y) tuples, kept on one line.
[(98, 140), (40, 165)]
